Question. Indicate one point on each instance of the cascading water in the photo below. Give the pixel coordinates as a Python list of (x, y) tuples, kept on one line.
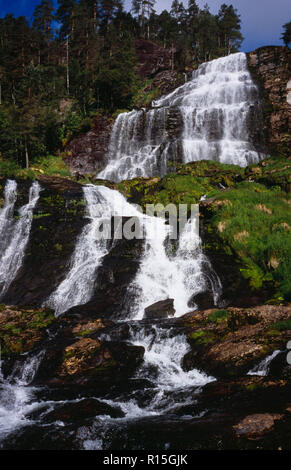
[(262, 368), (16, 395), (215, 108), (77, 287), (6, 214), (14, 234), (179, 276)]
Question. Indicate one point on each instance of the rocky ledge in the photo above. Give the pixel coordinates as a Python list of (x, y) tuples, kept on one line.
[(270, 67)]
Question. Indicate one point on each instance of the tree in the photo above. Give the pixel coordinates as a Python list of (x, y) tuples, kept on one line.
[(66, 16), (43, 18), (230, 37), (143, 9), (286, 35)]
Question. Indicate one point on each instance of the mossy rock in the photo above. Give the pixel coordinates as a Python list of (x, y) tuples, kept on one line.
[(21, 330)]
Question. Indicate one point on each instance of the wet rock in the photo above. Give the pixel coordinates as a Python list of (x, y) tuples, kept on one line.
[(161, 309), (203, 300), (111, 297), (57, 221), (279, 367), (87, 362), (82, 410), (255, 426), (229, 342)]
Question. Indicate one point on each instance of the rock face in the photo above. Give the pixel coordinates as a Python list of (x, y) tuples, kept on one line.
[(228, 343), (86, 154), (270, 67), (161, 309), (166, 81), (152, 58), (57, 221)]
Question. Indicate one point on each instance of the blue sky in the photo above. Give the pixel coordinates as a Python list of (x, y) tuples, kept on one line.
[(262, 20)]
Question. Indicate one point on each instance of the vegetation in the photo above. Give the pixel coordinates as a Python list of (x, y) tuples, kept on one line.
[(286, 35), (248, 211), (52, 81)]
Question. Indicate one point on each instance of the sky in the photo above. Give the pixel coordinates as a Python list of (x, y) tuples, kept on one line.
[(262, 20)]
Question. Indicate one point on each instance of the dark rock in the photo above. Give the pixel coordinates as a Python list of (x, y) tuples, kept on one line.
[(203, 300), (279, 367), (111, 297), (57, 221), (152, 58), (88, 362), (86, 154), (82, 410), (161, 309)]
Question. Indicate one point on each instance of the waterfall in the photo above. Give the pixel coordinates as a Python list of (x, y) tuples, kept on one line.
[(263, 367), (160, 276), (6, 214), (17, 396), (179, 276), (14, 234), (77, 287), (215, 108)]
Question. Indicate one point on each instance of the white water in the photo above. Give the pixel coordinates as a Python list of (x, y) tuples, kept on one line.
[(160, 276), (263, 367), (77, 287), (180, 276), (221, 92), (17, 396), (15, 234), (215, 107)]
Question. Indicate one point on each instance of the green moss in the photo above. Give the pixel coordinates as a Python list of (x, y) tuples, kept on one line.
[(218, 316), (202, 337), (281, 325)]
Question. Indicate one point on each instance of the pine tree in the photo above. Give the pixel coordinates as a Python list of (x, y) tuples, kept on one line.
[(66, 16), (229, 26), (43, 18), (286, 35)]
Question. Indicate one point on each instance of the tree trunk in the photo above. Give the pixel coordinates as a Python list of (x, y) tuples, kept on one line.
[(26, 154)]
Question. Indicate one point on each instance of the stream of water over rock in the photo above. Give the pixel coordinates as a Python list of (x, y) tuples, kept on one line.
[(214, 107)]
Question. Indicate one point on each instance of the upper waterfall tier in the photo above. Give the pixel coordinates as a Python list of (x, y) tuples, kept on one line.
[(215, 116)]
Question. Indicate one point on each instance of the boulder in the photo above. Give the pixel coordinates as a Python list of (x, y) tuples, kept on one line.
[(88, 362), (229, 342), (82, 410), (256, 425), (161, 309)]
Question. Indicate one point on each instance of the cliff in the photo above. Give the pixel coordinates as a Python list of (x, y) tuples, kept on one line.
[(271, 70)]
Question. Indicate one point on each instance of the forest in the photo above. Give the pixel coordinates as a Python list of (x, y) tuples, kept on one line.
[(83, 52)]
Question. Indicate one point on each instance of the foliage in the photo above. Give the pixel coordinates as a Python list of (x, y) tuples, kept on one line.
[(256, 223), (90, 61), (286, 35)]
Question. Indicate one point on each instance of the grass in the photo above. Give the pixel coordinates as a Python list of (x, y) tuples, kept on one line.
[(52, 166), (48, 165), (256, 223)]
